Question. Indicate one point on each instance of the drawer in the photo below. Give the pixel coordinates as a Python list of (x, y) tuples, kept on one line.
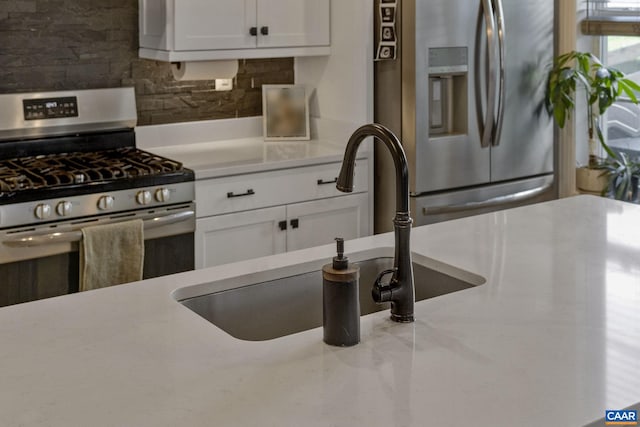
[(253, 191)]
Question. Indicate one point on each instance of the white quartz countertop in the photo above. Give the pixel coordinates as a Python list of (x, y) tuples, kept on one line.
[(250, 155), (551, 339)]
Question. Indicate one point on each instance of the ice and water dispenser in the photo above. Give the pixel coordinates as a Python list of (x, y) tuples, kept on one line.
[(448, 94)]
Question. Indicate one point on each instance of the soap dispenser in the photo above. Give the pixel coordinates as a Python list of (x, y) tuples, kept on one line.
[(340, 300)]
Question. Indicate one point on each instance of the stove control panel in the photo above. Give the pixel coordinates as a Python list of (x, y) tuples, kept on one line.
[(50, 108), (115, 202)]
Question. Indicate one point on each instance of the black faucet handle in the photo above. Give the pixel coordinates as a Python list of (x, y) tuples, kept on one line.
[(380, 292)]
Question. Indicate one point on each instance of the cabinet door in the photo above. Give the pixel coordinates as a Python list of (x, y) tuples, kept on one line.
[(236, 237), (291, 23), (274, 188), (320, 222), (210, 25), (152, 24)]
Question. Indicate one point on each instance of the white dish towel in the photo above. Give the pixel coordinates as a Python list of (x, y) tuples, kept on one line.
[(111, 254)]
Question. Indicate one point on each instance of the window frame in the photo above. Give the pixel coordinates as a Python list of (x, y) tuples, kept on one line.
[(601, 45), (604, 20), (603, 8)]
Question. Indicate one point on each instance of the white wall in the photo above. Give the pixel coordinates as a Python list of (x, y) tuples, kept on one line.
[(344, 80)]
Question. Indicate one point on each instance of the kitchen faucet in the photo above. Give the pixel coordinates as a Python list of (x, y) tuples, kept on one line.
[(399, 291)]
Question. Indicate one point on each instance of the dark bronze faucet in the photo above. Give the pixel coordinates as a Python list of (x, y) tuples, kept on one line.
[(399, 291)]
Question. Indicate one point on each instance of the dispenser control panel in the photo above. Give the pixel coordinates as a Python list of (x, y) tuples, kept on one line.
[(448, 87)]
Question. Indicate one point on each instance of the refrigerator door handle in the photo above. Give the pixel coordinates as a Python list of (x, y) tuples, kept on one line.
[(490, 203), (500, 24), (486, 123)]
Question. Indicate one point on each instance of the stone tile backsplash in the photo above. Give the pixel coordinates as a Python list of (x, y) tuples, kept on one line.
[(81, 44)]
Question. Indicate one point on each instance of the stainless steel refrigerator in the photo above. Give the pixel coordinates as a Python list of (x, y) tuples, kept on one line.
[(466, 97)]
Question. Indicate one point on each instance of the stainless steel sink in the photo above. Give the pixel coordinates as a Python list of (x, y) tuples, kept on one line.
[(285, 306)]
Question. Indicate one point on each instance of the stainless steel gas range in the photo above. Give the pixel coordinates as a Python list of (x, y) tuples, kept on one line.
[(69, 160)]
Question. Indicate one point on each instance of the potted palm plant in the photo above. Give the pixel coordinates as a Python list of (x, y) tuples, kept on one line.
[(623, 176), (602, 86)]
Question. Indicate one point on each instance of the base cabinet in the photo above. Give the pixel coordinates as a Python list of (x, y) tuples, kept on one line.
[(236, 237), (261, 232), (320, 222)]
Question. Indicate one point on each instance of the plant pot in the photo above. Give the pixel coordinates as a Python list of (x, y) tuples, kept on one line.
[(593, 181)]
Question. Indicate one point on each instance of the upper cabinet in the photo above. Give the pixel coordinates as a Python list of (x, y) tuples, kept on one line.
[(289, 23), (192, 30), (213, 24)]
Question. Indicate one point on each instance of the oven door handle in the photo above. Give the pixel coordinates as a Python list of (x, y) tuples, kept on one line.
[(76, 236)]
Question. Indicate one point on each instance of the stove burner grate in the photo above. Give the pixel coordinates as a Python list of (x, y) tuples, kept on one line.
[(81, 168)]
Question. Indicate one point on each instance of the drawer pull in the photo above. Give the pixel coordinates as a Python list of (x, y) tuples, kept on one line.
[(249, 192), (323, 182)]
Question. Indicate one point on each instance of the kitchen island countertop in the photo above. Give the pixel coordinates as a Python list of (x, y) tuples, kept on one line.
[(551, 339)]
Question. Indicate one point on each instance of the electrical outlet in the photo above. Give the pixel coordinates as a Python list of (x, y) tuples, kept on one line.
[(224, 84)]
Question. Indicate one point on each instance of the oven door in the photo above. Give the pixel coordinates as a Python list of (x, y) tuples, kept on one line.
[(43, 261)]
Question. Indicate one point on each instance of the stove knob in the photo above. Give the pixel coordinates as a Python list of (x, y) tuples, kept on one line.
[(64, 208), (143, 197), (163, 195), (43, 211), (105, 203)]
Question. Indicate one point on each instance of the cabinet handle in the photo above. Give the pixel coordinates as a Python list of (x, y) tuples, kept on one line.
[(323, 182), (282, 225), (264, 31), (249, 192), (253, 31), (295, 223)]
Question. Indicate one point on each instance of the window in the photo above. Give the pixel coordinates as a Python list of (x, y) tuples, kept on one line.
[(622, 122), (614, 7), (612, 17)]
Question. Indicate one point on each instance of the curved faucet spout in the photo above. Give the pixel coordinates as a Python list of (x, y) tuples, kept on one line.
[(400, 290), (345, 179)]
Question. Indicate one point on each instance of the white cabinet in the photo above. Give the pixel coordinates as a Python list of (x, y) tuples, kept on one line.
[(250, 216), (237, 237), (196, 30), (211, 25), (228, 238), (293, 23), (320, 222), (276, 188)]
